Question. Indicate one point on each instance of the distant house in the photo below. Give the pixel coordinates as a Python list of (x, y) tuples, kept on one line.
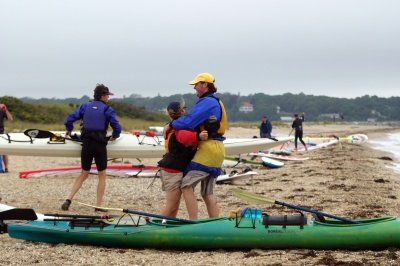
[(246, 107), (286, 118), (332, 116), (371, 120)]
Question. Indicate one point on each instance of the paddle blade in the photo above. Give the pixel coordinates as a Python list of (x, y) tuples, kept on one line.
[(251, 197), (39, 134), (18, 214)]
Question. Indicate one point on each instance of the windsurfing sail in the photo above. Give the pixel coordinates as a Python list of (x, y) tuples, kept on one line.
[(146, 170)]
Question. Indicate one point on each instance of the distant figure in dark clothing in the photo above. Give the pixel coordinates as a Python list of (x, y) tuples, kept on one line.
[(297, 125), (265, 128), (302, 117), (4, 115)]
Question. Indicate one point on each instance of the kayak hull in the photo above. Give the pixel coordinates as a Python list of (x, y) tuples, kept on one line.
[(127, 146), (219, 233)]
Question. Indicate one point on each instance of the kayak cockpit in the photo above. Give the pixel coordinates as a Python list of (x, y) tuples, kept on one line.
[(173, 223)]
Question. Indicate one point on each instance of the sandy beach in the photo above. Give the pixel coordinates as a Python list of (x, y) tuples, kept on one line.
[(346, 180)]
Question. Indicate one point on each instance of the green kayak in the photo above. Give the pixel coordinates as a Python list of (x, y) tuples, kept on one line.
[(236, 232)]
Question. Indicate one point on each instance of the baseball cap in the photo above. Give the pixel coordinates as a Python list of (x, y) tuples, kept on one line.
[(102, 90), (203, 77)]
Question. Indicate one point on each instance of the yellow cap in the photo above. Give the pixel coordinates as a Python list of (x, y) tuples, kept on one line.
[(203, 77)]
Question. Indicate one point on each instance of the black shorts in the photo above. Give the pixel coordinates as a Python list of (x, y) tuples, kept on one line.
[(92, 149)]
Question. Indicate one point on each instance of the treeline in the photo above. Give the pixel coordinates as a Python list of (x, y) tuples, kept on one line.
[(316, 108), (54, 111)]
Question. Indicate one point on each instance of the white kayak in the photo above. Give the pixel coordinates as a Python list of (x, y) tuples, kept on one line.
[(235, 175), (127, 146), (279, 157)]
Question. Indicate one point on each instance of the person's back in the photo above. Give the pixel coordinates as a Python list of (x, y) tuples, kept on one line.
[(96, 116), (297, 124)]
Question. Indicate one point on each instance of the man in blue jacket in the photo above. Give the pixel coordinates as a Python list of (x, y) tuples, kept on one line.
[(265, 128), (96, 116), (208, 114)]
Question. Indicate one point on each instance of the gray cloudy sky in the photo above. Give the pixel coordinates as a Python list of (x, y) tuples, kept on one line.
[(341, 48)]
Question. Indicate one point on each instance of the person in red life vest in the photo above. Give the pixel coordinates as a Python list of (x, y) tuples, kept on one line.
[(180, 146), (96, 116), (207, 114)]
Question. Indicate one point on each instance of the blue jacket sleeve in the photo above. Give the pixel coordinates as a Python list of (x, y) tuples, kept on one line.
[(114, 123), (74, 116), (269, 127), (204, 108)]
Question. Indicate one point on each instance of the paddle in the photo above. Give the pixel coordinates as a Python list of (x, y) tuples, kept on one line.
[(44, 134), (245, 195), (18, 214), (140, 213)]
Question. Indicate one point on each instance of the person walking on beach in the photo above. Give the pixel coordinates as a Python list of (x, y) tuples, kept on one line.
[(96, 116), (181, 145), (207, 114), (265, 128), (4, 115), (297, 125)]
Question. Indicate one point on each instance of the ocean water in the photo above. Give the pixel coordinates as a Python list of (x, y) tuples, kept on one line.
[(389, 143)]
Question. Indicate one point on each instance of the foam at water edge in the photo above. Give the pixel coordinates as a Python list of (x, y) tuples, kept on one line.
[(390, 143)]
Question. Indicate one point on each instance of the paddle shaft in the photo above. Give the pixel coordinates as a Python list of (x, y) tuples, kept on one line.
[(259, 199), (159, 216), (315, 212), (141, 213)]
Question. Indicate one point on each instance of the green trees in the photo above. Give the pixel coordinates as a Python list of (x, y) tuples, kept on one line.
[(316, 108)]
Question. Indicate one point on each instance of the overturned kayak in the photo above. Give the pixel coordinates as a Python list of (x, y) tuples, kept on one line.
[(236, 232)]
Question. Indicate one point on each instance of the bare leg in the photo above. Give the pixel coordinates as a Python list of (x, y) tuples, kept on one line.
[(173, 199), (191, 202), (101, 187), (78, 183), (5, 160), (212, 207)]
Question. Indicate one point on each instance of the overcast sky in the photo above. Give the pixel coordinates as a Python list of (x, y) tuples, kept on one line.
[(341, 48)]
